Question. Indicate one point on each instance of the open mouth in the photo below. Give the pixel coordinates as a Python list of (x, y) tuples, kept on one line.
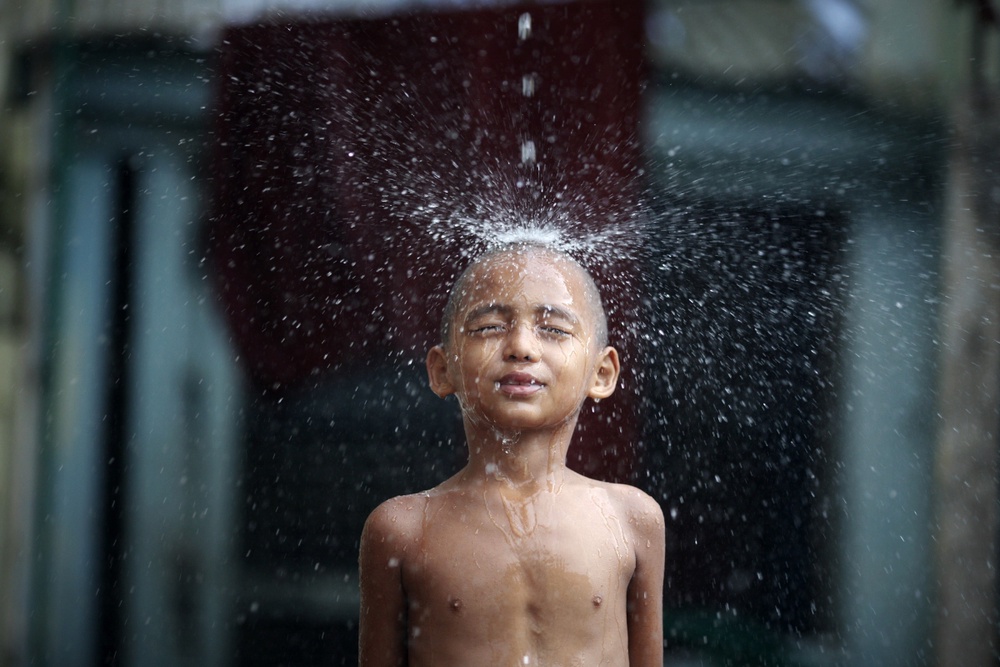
[(519, 384)]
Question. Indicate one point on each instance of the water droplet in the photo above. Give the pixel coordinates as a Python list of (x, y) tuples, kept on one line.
[(528, 154), (524, 26), (528, 85)]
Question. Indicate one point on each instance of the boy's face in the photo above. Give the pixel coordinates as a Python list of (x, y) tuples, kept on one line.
[(523, 351)]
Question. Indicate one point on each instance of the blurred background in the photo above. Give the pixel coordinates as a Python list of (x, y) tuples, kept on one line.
[(224, 230)]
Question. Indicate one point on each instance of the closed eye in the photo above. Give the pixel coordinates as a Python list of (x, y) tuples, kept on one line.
[(486, 329)]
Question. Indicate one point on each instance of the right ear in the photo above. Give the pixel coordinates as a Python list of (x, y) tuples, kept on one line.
[(437, 372)]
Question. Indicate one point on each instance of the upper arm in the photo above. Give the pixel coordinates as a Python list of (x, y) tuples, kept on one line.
[(645, 591), (382, 627)]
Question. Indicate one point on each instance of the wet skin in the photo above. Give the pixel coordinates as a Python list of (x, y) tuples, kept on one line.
[(517, 560)]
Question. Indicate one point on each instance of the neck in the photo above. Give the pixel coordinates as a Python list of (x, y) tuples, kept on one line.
[(519, 458)]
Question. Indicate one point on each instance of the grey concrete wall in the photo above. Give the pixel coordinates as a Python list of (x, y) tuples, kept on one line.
[(966, 487), (17, 170)]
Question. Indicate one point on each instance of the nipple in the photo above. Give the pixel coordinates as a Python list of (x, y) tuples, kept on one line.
[(455, 604), (597, 600)]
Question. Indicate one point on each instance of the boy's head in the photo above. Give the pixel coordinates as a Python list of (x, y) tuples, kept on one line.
[(524, 340), (460, 289)]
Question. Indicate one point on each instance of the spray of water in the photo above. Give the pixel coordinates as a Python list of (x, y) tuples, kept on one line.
[(615, 242)]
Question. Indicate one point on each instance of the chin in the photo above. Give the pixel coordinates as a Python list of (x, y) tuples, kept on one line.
[(508, 422), (517, 423)]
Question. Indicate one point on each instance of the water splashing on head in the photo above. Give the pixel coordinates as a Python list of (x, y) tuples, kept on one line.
[(590, 246)]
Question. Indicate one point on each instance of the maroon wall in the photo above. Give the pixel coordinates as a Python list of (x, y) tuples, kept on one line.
[(339, 142)]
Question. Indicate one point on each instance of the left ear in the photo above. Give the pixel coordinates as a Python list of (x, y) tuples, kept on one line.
[(437, 372), (605, 377)]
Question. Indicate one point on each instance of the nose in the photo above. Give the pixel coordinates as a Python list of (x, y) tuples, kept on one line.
[(522, 344)]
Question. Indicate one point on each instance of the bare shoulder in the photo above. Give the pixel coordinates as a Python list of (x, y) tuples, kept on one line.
[(636, 507), (641, 506), (643, 518), (396, 521)]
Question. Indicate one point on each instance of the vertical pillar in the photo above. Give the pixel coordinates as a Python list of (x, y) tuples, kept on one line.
[(966, 467)]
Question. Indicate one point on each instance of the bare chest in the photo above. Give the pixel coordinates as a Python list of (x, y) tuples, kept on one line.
[(501, 560)]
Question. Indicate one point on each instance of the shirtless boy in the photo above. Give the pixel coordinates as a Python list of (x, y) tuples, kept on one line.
[(517, 560)]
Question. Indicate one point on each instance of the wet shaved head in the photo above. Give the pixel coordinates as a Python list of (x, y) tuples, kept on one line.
[(558, 258)]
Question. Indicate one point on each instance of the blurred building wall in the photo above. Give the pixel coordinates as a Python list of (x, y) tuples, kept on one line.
[(21, 172), (39, 19), (967, 520), (967, 515)]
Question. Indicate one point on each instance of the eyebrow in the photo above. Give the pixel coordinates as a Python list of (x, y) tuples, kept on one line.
[(487, 309), (502, 309), (558, 312)]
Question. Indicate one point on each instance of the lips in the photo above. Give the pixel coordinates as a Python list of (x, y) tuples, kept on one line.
[(519, 384)]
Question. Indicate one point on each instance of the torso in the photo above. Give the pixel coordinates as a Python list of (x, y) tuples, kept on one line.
[(513, 582)]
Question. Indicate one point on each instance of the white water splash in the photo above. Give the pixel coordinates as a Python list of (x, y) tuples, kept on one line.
[(497, 208), (614, 242)]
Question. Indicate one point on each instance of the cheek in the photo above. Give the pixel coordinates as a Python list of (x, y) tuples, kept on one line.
[(576, 360), (473, 365), (566, 355), (573, 351)]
